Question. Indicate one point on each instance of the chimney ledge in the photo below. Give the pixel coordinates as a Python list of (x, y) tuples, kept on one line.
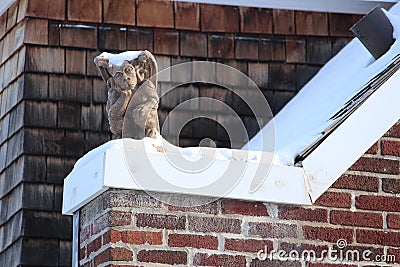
[(111, 166)]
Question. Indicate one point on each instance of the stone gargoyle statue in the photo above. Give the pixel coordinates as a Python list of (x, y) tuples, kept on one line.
[(132, 104)]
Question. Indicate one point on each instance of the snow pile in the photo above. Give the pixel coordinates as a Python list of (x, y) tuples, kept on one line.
[(304, 118), (118, 59), (160, 145)]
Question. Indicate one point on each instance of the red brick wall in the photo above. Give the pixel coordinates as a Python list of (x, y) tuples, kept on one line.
[(129, 228)]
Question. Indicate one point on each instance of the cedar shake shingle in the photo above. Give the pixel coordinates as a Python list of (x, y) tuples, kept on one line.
[(187, 16), (256, 20), (155, 13), (120, 12), (84, 10)]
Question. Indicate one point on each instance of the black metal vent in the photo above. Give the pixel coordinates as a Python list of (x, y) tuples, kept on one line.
[(375, 31)]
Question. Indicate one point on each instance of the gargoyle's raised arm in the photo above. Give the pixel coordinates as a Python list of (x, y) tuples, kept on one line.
[(102, 64)]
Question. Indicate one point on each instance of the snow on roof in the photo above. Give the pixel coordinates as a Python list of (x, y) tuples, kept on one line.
[(151, 145), (303, 120)]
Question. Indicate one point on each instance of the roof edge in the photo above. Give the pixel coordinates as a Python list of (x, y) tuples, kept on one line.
[(323, 166), (334, 6), (4, 5)]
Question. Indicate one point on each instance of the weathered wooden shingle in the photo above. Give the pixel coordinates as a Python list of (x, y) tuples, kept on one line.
[(155, 13), (40, 114), (75, 61), (221, 45), (12, 16), (193, 44), (283, 21), (91, 117), (52, 9), (36, 86), (120, 12), (65, 88), (139, 39), (272, 48), (69, 115), (295, 49), (311, 23), (84, 10), (113, 39), (166, 42), (319, 50), (256, 20), (36, 31), (72, 35), (187, 16), (43, 141), (45, 59), (217, 18)]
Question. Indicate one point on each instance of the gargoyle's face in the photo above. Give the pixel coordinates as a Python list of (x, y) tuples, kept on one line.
[(125, 76)]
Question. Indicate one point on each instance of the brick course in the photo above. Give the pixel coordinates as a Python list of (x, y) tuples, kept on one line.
[(165, 257), (160, 221), (193, 241), (379, 203), (244, 208), (373, 220)]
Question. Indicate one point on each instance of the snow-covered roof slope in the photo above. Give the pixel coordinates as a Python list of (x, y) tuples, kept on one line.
[(303, 120)]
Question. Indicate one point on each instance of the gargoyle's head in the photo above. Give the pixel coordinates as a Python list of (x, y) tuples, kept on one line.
[(124, 76)]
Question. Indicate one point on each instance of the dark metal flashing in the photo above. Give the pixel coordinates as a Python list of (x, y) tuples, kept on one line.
[(353, 104)]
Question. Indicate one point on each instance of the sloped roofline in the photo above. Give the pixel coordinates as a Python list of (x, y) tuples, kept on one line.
[(4, 5), (347, 143), (334, 6)]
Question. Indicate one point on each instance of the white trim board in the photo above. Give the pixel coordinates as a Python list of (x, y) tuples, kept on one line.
[(110, 168), (334, 6)]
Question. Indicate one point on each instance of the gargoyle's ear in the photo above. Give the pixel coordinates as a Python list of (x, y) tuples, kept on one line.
[(149, 66), (141, 74)]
